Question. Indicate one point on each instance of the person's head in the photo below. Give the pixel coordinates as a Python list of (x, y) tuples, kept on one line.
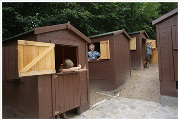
[(91, 47), (68, 64), (149, 43)]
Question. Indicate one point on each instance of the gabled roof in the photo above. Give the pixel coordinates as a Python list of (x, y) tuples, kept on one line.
[(113, 32), (41, 30), (140, 32), (165, 16), (32, 30)]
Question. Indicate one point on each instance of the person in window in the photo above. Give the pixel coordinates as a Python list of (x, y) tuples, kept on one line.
[(67, 66), (148, 53), (93, 54)]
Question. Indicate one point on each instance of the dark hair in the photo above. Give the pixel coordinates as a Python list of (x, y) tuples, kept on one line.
[(66, 64)]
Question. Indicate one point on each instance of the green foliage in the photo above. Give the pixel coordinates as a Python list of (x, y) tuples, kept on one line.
[(90, 18)]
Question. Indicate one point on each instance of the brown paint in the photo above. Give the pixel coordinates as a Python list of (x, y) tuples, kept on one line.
[(138, 54), (167, 43), (40, 96), (111, 73)]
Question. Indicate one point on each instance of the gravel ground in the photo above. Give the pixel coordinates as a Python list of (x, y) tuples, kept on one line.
[(143, 85)]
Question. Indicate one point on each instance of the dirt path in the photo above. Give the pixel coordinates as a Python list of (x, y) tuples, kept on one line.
[(143, 85)]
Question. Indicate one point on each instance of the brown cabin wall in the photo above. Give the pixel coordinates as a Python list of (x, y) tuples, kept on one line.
[(165, 56), (122, 59), (11, 55), (19, 94), (10, 59), (136, 54), (69, 38), (143, 40), (102, 73), (20, 98), (39, 86)]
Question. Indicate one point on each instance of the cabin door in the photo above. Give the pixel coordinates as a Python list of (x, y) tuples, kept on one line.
[(65, 92)]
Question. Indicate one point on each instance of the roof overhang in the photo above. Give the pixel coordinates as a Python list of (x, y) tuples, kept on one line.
[(59, 27), (140, 32), (114, 33), (45, 29), (165, 16)]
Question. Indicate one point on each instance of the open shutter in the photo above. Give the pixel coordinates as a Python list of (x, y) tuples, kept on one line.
[(153, 42), (133, 43), (35, 58), (104, 48)]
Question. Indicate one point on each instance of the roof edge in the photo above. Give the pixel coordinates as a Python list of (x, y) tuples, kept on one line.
[(69, 26), (167, 15), (141, 31), (51, 28), (44, 29), (122, 31), (18, 35), (108, 33)]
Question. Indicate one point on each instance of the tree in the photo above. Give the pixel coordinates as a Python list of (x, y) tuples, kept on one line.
[(90, 18)]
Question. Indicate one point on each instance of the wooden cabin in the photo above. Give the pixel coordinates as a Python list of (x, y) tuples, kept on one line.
[(167, 42), (114, 68), (31, 86), (138, 51)]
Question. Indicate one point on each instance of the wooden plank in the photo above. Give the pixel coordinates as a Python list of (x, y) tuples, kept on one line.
[(159, 51), (36, 67), (48, 59), (71, 94), (154, 56), (26, 55), (43, 60), (75, 90), (25, 42), (133, 43), (61, 93), (78, 90), (56, 82), (36, 59), (36, 73), (33, 56), (52, 59), (104, 49), (87, 72), (66, 93), (40, 96), (171, 34), (53, 95), (175, 52), (20, 57)]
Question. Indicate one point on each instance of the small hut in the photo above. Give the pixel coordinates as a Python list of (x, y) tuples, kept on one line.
[(138, 50), (114, 69), (167, 42), (31, 86)]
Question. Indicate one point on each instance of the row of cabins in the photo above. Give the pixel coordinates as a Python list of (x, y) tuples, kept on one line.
[(32, 88)]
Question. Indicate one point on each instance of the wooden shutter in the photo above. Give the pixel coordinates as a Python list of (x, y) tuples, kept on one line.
[(104, 48), (35, 58), (153, 42), (133, 43)]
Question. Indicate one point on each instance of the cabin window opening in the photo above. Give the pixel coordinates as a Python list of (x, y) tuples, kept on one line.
[(63, 52), (103, 48), (97, 46)]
